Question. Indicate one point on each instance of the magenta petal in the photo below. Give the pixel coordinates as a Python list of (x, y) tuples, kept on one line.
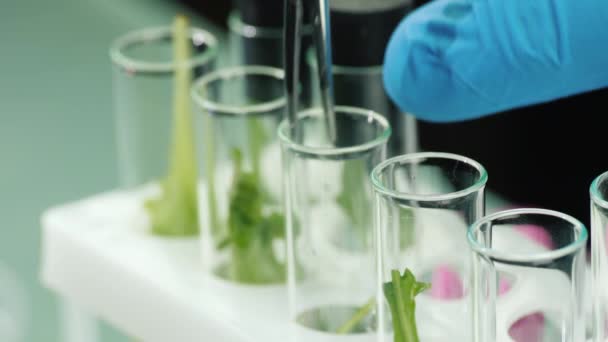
[(537, 234), (528, 329), (446, 283)]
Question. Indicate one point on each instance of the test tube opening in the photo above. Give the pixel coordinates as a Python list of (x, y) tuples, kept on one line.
[(424, 203), (330, 198), (544, 252)]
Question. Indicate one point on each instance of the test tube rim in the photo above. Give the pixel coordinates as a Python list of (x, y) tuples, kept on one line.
[(594, 191), (379, 140), (239, 71), (540, 257), (380, 187), (238, 27), (157, 33)]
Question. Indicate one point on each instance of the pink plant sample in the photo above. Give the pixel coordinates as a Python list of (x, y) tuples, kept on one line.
[(446, 283), (537, 234)]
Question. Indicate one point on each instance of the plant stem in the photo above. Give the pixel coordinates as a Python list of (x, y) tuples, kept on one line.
[(207, 126), (175, 211), (256, 143), (216, 228), (403, 323), (359, 316), (405, 306)]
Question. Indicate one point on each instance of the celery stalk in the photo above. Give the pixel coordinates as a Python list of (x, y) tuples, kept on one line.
[(400, 294), (175, 213), (250, 232)]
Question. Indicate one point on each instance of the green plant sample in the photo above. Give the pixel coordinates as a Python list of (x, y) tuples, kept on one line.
[(400, 294), (250, 232), (175, 212)]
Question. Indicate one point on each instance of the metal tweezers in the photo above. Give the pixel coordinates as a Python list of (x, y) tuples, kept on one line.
[(294, 10)]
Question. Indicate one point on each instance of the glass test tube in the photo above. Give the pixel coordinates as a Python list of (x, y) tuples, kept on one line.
[(424, 204), (529, 289), (258, 45), (143, 88), (599, 256), (362, 86), (329, 222), (242, 231), (254, 45)]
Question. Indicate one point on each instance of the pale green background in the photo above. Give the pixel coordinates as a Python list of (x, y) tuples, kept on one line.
[(56, 122)]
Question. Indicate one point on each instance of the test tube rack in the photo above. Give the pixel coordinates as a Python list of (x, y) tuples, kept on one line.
[(97, 253)]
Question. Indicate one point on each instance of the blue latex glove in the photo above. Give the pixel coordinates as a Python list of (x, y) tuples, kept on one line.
[(454, 60)]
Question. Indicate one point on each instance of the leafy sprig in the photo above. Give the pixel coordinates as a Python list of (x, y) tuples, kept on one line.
[(250, 232)]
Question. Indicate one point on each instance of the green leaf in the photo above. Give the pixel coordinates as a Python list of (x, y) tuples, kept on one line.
[(175, 212), (400, 294), (357, 318), (251, 234)]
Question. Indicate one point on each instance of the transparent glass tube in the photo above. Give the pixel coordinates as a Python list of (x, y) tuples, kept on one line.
[(363, 87), (599, 256), (329, 222), (144, 95), (239, 111), (424, 204), (256, 45), (529, 269)]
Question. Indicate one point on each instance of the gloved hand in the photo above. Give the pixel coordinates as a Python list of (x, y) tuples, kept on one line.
[(454, 60)]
